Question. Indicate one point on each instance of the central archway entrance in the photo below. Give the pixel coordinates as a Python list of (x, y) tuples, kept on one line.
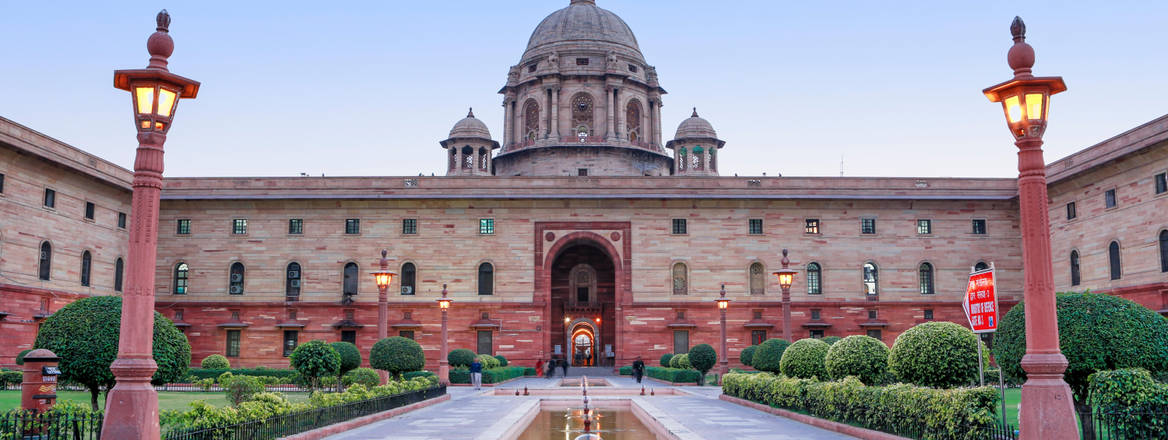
[(582, 344), (583, 305)]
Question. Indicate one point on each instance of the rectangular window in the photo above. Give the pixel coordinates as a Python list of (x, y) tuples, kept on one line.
[(929, 314), (679, 227), (681, 341), (122, 220), (816, 314), (582, 172), (239, 226), (50, 198), (811, 226), (817, 334), (924, 227), (582, 295), (979, 226), (1, 183), (877, 334), (410, 226), (183, 226), (352, 226), (290, 341), (1071, 214), (872, 315), (89, 210), (486, 342), (867, 226), (1161, 183), (581, 61), (486, 226), (755, 226), (295, 226), (233, 343), (349, 336), (1109, 198), (757, 336), (408, 334)]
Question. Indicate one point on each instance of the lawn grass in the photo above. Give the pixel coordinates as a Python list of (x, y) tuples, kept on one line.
[(166, 399), (1013, 396)]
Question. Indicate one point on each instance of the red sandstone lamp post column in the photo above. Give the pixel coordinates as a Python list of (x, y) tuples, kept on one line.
[(786, 277), (383, 278), (132, 405), (1048, 410), (443, 364), (723, 304)]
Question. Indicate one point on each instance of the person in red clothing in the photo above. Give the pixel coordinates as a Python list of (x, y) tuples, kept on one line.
[(539, 368)]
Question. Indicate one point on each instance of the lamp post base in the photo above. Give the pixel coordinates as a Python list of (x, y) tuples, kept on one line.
[(132, 404), (443, 373), (1048, 407)]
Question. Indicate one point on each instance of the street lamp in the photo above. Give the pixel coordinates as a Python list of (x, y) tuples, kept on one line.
[(132, 404), (383, 278), (786, 277), (1048, 410), (723, 304), (443, 364)]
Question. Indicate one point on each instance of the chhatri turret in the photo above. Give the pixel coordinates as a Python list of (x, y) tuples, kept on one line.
[(695, 147), (469, 148)]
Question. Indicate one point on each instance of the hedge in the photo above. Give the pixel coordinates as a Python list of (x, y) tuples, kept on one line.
[(491, 375), (364, 376), (423, 373), (460, 357), (1124, 398), (935, 354), (831, 340), (488, 361), (804, 359), (626, 370), (858, 355), (674, 375), (665, 358), (949, 414), (204, 373), (769, 354), (10, 377), (680, 361), (502, 360), (215, 362), (702, 357), (747, 355)]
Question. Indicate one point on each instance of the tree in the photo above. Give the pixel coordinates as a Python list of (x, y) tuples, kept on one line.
[(84, 334), (861, 356), (460, 357), (215, 362), (769, 354), (747, 355), (665, 358), (315, 359), (398, 355), (702, 357), (1097, 332), (804, 359), (350, 359), (935, 354)]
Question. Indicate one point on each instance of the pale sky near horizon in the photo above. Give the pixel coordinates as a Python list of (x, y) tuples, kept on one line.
[(370, 88)]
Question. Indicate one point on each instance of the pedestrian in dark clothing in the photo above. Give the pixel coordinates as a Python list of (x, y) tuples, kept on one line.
[(564, 365), (476, 374), (638, 369)]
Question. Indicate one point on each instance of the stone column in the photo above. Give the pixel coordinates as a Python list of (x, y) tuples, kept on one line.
[(657, 140), (474, 162), (555, 113), (618, 115), (383, 312), (608, 97), (507, 124)]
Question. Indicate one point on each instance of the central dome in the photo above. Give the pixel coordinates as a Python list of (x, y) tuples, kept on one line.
[(583, 21)]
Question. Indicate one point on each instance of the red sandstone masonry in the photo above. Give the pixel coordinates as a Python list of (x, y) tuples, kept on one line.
[(326, 431), (842, 428)]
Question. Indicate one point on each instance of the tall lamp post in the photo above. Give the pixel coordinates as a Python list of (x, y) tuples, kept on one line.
[(443, 364), (723, 304), (383, 277), (1048, 409), (132, 404), (786, 277)]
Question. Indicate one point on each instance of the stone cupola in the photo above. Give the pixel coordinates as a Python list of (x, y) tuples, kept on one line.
[(469, 148), (695, 148)]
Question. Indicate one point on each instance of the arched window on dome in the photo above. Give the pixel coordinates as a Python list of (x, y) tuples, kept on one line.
[(531, 120), (698, 159), (467, 157), (582, 114), (483, 158), (681, 159), (633, 121)]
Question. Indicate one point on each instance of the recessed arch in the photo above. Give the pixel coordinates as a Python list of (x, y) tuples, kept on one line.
[(1113, 260), (583, 113), (409, 278), (236, 278), (181, 279), (814, 272), (293, 280), (485, 278), (756, 277), (870, 277), (119, 273), (45, 261), (926, 278), (531, 117), (679, 277), (86, 268), (1163, 240), (1076, 276)]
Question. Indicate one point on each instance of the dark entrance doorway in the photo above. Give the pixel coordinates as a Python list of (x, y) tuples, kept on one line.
[(583, 299)]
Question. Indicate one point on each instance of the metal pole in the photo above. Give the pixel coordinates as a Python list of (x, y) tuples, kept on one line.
[(1002, 386), (383, 313), (980, 370)]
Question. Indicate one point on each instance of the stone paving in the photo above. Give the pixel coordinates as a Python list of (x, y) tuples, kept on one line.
[(480, 415)]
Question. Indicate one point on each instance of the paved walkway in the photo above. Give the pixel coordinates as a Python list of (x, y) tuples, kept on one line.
[(693, 415)]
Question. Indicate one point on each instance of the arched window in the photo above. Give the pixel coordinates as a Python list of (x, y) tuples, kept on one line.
[(681, 159), (926, 275), (531, 120), (484, 158), (814, 279), (1164, 251), (1074, 268), (713, 159), (467, 157), (46, 260), (349, 286), (453, 158), (181, 278), (1113, 258), (871, 279), (486, 279), (86, 265), (408, 275), (235, 286), (757, 279), (633, 121), (292, 282), (680, 279), (582, 114), (696, 162), (981, 265), (119, 268)]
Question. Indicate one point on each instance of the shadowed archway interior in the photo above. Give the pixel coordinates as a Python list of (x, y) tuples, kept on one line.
[(583, 287)]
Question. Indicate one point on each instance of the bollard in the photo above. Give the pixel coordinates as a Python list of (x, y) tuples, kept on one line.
[(38, 393)]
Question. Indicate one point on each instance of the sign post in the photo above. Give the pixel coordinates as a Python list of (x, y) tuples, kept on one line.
[(981, 308)]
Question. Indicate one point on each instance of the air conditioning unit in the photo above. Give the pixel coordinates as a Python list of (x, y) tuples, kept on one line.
[(407, 290), (295, 283), (236, 290), (237, 278), (293, 274)]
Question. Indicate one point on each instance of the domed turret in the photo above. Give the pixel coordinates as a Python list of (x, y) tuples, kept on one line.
[(583, 21), (469, 148), (695, 147)]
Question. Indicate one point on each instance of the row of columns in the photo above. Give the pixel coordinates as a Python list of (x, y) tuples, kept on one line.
[(550, 113), (476, 165)]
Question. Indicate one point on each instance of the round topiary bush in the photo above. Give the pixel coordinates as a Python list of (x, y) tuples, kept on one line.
[(665, 358), (397, 355), (861, 356), (935, 354), (680, 361), (769, 354), (460, 357), (84, 334), (488, 361), (315, 359), (215, 362), (363, 376), (502, 360), (804, 359), (702, 357), (20, 356), (831, 340), (747, 355), (350, 356)]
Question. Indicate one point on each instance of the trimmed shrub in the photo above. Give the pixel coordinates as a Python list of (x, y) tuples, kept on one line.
[(861, 356), (20, 356), (529, 371), (953, 414), (831, 340), (350, 356), (285, 375), (1127, 399), (674, 375), (423, 373), (626, 370), (488, 361), (1097, 332), (935, 354), (459, 375), (769, 355), (747, 354), (315, 359), (702, 357), (460, 357), (502, 374), (397, 355), (665, 358), (502, 360), (680, 361), (10, 377), (364, 376), (215, 362), (804, 359), (240, 389)]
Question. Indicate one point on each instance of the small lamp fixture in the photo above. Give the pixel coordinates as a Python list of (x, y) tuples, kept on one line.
[(598, 320), (383, 277), (723, 302), (155, 91), (1026, 98), (567, 320), (444, 302), (785, 275), (582, 135)]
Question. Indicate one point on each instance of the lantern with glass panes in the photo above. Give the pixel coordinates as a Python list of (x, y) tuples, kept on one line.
[(154, 90), (1026, 98)]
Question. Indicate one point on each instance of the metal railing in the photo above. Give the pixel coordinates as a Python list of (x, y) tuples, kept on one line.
[(294, 423), (26, 425), (1125, 425)]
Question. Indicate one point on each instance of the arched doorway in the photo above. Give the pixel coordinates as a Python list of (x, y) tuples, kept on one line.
[(583, 345), (583, 305)]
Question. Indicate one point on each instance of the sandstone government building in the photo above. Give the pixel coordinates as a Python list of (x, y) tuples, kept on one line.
[(586, 231)]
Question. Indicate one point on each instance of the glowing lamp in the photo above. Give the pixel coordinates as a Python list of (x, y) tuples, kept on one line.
[(444, 302), (383, 277), (722, 300), (155, 91), (1026, 98)]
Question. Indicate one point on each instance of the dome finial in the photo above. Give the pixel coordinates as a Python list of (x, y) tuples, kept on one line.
[(576, 2), (695, 113), (470, 114), (1018, 28)]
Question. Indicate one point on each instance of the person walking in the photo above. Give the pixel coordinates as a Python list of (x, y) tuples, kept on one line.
[(638, 369), (476, 374), (564, 365), (539, 368)]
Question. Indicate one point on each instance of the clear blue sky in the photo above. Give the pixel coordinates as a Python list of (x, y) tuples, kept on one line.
[(369, 88)]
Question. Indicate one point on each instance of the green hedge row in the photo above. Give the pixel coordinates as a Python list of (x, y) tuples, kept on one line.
[(412, 374), (675, 375), (491, 375), (1125, 400), (626, 370), (205, 373), (941, 414)]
